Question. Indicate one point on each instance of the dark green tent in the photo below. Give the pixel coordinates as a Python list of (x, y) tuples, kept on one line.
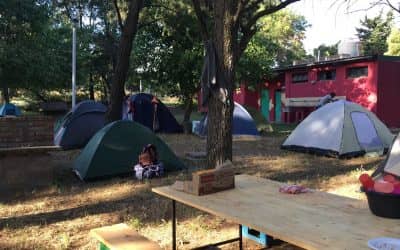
[(114, 150)]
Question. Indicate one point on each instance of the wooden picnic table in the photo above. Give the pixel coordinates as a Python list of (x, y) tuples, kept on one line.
[(316, 220)]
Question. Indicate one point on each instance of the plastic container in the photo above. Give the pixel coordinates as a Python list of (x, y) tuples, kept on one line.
[(384, 243), (384, 205)]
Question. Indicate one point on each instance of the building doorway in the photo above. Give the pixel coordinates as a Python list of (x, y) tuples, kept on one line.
[(278, 106), (265, 103)]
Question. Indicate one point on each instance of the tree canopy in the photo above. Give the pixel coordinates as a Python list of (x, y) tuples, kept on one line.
[(34, 51), (373, 34), (277, 43), (326, 50), (394, 43)]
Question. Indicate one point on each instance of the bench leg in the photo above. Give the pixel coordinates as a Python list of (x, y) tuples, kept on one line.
[(173, 225)]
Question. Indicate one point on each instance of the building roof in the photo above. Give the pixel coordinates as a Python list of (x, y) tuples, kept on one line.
[(338, 61)]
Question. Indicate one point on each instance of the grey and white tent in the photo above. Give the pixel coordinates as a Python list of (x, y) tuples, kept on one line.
[(392, 163), (342, 129)]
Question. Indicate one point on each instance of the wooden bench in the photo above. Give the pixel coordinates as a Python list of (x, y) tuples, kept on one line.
[(122, 237)]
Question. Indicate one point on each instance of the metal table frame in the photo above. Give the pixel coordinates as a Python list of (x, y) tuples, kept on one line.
[(202, 247)]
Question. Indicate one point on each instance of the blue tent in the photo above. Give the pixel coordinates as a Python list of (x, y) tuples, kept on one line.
[(76, 128), (243, 123), (152, 113), (9, 109)]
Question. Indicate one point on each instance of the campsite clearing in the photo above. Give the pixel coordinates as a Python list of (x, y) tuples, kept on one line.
[(61, 216)]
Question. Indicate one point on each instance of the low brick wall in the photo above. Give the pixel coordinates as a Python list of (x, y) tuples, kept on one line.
[(26, 131)]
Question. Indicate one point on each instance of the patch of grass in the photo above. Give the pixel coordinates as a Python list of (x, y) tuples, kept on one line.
[(65, 241), (135, 223), (279, 129)]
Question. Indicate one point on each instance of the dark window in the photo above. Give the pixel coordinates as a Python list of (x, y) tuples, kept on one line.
[(327, 75), (356, 72), (299, 77)]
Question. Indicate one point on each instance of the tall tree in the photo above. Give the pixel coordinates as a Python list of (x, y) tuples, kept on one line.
[(227, 26), (373, 34), (128, 32)]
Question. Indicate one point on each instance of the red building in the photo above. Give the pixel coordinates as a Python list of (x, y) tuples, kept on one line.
[(245, 96), (372, 81)]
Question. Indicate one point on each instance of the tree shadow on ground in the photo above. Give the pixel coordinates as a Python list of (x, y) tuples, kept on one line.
[(142, 204)]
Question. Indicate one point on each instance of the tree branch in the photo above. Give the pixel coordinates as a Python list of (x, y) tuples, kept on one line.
[(348, 5), (239, 10), (267, 11), (247, 35), (248, 29), (253, 5), (121, 26), (202, 20), (392, 6)]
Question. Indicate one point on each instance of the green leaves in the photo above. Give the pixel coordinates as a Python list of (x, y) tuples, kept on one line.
[(277, 43), (394, 43), (168, 52), (373, 34), (33, 49)]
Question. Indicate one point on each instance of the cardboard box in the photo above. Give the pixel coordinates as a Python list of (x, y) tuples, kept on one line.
[(212, 181)]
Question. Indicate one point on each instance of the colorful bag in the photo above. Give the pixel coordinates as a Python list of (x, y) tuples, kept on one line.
[(149, 171)]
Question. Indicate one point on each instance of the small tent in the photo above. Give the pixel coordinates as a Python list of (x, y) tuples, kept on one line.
[(114, 150), (76, 128), (243, 123), (9, 109), (342, 129), (151, 112)]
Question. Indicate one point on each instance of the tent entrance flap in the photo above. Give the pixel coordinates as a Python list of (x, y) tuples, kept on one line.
[(365, 131)]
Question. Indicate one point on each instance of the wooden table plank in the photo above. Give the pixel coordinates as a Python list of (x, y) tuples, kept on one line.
[(122, 237), (316, 220)]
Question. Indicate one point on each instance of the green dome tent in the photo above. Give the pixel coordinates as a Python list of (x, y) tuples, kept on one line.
[(114, 150)]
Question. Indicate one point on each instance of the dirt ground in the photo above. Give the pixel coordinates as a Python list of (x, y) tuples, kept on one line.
[(61, 216)]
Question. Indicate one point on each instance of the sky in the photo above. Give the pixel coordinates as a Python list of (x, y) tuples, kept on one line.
[(330, 24)]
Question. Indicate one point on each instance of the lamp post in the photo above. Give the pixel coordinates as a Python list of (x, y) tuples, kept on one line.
[(74, 23), (140, 72)]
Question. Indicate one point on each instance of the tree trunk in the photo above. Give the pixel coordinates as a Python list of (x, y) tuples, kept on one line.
[(105, 90), (91, 86), (186, 117), (121, 69), (5, 93), (219, 134)]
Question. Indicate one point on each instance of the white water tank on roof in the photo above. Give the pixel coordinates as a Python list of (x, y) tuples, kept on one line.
[(349, 47)]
